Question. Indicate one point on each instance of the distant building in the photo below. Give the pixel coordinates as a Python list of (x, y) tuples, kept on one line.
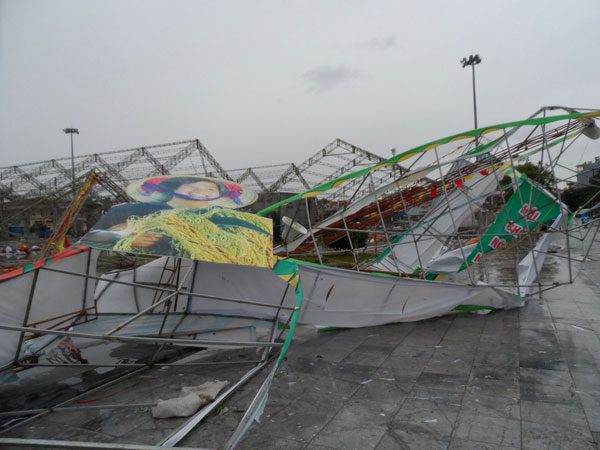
[(586, 171)]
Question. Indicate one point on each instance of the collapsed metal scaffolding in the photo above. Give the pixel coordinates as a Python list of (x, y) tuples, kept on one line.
[(160, 326), (451, 187), (442, 190)]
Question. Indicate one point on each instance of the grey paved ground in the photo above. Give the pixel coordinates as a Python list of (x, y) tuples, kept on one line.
[(524, 378)]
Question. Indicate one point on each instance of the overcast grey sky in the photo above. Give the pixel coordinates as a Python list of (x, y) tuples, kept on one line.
[(264, 82)]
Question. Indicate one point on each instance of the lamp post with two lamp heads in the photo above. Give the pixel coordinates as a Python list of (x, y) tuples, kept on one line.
[(472, 61), (71, 131)]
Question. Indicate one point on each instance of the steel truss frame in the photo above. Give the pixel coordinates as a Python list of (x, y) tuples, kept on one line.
[(50, 178)]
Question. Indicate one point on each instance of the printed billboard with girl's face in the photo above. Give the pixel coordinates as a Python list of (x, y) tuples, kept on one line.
[(184, 216)]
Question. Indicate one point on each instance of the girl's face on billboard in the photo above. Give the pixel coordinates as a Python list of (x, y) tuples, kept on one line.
[(200, 190)]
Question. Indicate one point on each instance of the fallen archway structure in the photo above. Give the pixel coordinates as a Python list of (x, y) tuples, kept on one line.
[(473, 204)]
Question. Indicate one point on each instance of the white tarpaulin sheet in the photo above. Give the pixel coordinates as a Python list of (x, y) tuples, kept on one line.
[(336, 297), (159, 273), (344, 298), (417, 248), (332, 297), (52, 294)]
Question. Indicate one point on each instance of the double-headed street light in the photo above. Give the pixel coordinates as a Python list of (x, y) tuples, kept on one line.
[(71, 131), (472, 61)]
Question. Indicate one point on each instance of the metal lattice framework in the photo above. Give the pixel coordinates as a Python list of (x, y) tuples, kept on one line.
[(43, 178), (455, 214), (333, 160), (50, 178)]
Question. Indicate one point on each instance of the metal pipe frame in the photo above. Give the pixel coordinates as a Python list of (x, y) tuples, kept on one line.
[(445, 192), (351, 244), (479, 233), (387, 237), (154, 364), (560, 203), (411, 226), (483, 163), (182, 292), (74, 399), (146, 340), (26, 317), (312, 234), (28, 412), (48, 443), (153, 305), (254, 404), (531, 245), (184, 429), (163, 341)]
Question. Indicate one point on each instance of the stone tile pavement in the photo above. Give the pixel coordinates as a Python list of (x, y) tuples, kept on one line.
[(520, 379)]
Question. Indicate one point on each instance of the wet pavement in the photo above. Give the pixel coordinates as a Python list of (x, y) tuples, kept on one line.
[(520, 379)]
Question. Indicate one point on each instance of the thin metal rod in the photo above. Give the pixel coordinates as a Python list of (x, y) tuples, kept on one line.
[(184, 429), (354, 194), (107, 285), (135, 296), (564, 211), (470, 201), (141, 313), (311, 231), (208, 363), (591, 242), (254, 404), (284, 327), (28, 412), (73, 165), (193, 294), (429, 234), (474, 98), (48, 443), (445, 192), (171, 334), (288, 231), (85, 286), (411, 226), (158, 348), (74, 399), (350, 242), (387, 237), (193, 284), (26, 317), (267, 350), (147, 340), (525, 216)]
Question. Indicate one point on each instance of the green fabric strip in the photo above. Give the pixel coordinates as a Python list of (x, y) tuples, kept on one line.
[(286, 268), (473, 308), (526, 210)]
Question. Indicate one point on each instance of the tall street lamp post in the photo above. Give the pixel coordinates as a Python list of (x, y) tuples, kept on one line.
[(71, 131), (472, 61)]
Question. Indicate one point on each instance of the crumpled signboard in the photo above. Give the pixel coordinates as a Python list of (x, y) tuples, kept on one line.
[(213, 234)]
